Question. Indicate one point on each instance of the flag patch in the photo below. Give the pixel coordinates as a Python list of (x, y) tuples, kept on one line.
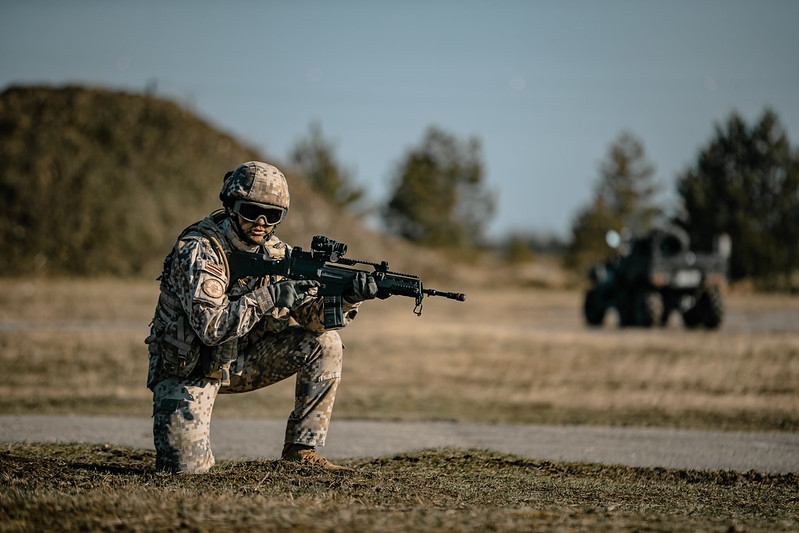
[(215, 270)]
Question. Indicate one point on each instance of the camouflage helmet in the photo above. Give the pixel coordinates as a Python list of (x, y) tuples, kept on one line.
[(257, 182)]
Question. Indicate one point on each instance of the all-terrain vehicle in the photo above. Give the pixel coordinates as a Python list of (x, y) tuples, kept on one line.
[(651, 276)]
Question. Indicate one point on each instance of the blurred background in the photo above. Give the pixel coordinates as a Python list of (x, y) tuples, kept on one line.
[(519, 131)]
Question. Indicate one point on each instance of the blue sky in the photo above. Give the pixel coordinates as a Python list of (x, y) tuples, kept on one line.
[(546, 86)]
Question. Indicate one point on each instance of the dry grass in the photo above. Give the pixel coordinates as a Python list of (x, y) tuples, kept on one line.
[(509, 356), (525, 357), (45, 487), (503, 356)]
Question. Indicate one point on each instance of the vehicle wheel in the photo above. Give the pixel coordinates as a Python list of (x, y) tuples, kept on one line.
[(712, 306), (648, 308), (625, 305), (593, 308), (664, 318), (693, 316)]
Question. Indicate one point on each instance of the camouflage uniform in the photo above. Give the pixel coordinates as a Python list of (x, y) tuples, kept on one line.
[(208, 338)]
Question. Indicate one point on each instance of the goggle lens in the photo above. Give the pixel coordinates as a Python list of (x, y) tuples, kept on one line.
[(252, 212)]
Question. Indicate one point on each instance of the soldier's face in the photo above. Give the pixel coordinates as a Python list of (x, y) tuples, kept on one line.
[(257, 232)]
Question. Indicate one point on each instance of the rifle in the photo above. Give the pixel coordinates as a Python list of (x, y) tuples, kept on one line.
[(325, 263)]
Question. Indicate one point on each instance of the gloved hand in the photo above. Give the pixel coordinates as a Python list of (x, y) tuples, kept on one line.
[(364, 287), (292, 293)]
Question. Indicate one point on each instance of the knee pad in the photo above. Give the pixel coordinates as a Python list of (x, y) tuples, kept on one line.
[(181, 426), (182, 443)]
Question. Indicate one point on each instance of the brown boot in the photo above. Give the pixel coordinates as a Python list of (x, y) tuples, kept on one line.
[(306, 455)]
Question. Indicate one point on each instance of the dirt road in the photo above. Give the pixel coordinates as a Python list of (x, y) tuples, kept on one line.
[(668, 448)]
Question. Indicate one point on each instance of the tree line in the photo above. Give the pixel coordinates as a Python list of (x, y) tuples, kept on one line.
[(99, 182), (438, 198), (744, 183)]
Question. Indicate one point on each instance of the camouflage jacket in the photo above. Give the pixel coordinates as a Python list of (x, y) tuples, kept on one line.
[(200, 318)]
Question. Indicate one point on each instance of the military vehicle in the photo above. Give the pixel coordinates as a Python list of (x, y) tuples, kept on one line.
[(649, 277)]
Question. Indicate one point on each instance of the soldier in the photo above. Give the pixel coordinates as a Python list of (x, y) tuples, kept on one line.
[(210, 336)]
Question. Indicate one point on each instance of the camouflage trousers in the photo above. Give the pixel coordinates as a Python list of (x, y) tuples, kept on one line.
[(182, 406)]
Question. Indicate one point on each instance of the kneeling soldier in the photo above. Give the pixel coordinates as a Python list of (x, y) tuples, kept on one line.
[(210, 336)]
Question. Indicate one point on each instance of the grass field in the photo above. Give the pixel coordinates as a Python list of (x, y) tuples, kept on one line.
[(511, 356), (514, 356), (90, 488)]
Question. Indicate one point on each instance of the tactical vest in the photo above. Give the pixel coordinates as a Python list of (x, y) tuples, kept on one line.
[(179, 347)]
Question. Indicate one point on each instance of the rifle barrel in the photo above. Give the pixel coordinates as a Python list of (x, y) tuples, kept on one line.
[(459, 296)]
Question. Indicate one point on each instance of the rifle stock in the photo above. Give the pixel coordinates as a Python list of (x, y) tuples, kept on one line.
[(325, 263)]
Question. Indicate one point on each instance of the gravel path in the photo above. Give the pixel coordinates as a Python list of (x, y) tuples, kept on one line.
[(236, 438)]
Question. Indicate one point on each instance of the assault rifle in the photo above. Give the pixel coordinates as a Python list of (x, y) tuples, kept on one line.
[(325, 263)]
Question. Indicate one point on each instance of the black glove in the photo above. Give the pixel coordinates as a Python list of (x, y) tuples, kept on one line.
[(292, 293), (364, 287)]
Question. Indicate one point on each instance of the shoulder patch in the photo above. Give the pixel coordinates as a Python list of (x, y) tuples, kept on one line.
[(213, 288)]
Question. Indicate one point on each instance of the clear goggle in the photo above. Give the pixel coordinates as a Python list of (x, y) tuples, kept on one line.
[(251, 212)]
